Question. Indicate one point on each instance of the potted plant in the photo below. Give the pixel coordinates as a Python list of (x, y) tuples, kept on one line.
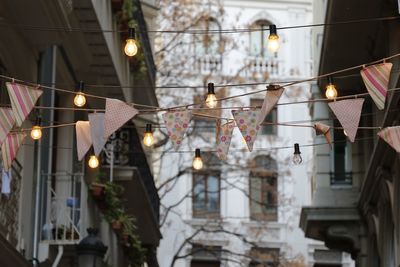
[(97, 187)]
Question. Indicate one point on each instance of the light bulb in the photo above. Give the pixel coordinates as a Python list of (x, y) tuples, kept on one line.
[(273, 39), (148, 138), (131, 48), (211, 101), (36, 132), (331, 92), (344, 132), (297, 159), (197, 161), (93, 162), (79, 100)]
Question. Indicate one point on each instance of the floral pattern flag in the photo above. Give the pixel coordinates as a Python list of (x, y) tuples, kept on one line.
[(391, 135), (376, 79), (10, 147), (177, 123), (23, 98), (7, 121), (246, 121), (224, 137)]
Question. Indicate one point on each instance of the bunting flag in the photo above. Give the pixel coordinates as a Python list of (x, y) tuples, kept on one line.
[(391, 135), (83, 138), (117, 114), (7, 121), (23, 99), (320, 129), (271, 98), (177, 123), (348, 113), (376, 79), (96, 121), (246, 120), (10, 147), (224, 137)]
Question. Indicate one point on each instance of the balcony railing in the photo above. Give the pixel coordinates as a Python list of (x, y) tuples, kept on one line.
[(261, 66), (341, 178), (208, 64)]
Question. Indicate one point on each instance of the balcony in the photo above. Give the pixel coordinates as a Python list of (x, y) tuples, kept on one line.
[(341, 178), (264, 67), (208, 64)]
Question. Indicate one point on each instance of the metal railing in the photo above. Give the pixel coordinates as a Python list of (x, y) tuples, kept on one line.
[(259, 66), (208, 64)]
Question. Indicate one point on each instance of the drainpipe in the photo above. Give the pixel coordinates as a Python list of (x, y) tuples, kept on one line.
[(59, 255)]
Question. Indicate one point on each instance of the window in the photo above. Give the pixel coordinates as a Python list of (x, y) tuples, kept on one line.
[(259, 39), (205, 256), (206, 188), (271, 117), (207, 44), (263, 189), (263, 257), (342, 174)]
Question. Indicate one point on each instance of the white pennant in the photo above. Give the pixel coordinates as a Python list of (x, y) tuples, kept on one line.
[(117, 114), (97, 131), (83, 138)]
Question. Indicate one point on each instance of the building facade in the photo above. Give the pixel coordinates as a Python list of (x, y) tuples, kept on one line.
[(50, 205), (245, 210)]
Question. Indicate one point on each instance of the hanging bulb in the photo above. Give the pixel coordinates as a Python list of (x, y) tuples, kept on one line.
[(93, 162), (197, 161), (331, 92), (211, 100), (80, 99), (131, 48), (344, 132), (36, 132), (273, 39), (148, 138), (296, 155)]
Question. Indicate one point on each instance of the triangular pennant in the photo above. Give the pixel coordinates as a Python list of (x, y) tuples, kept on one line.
[(376, 79), (10, 147), (7, 121), (348, 113), (246, 120), (271, 98), (117, 114), (23, 99), (321, 128), (97, 131), (83, 138), (391, 135), (224, 137), (177, 123)]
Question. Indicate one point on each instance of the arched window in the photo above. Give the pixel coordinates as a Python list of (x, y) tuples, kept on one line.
[(263, 184), (207, 43), (206, 188), (259, 39)]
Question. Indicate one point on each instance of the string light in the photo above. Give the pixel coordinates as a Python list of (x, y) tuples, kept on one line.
[(273, 39), (80, 99), (93, 162), (197, 161), (297, 159), (331, 92), (211, 100), (148, 138), (344, 132), (36, 132), (131, 48)]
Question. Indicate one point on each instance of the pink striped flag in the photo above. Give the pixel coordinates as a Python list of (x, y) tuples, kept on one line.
[(348, 113), (23, 99), (391, 135), (117, 114), (7, 121), (376, 79), (10, 147)]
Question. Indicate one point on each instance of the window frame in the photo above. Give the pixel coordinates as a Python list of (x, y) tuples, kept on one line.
[(203, 41)]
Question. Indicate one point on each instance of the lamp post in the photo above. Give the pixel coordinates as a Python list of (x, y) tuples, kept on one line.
[(91, 250)]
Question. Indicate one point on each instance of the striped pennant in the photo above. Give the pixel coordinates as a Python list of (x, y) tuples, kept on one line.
[(10, 147), (391, 135), (376, 79), (7, 121), (23, 99)]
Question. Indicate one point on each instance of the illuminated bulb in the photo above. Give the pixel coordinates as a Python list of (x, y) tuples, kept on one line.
[(131, 48), (331, 92), (148, 138), (197, 161), (211, 100), (273, 39), (344, 132), (93, 162), (296, 155), (80, 99), (36, 132)]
